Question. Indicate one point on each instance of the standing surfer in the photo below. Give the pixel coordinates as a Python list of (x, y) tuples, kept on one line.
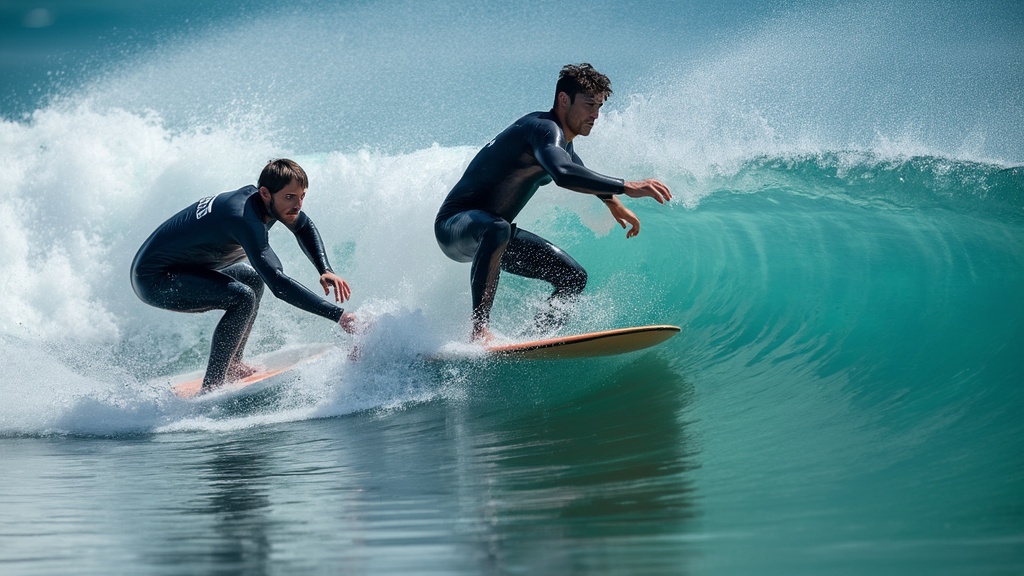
[(195, 262), (474, 223)]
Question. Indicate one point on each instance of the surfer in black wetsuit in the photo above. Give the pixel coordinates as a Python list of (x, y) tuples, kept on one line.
[(195, 262), (475, 225)]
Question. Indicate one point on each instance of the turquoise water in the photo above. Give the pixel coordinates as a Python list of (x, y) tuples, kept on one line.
[(845, 256)]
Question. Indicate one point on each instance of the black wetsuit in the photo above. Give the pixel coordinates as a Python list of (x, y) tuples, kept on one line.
[(194, 262), (475, 220)]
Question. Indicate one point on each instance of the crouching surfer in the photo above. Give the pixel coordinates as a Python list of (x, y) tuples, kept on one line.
[(475, 221), (196, 261)]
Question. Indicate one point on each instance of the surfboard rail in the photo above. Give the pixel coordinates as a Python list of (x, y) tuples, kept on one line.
[(603, 343)]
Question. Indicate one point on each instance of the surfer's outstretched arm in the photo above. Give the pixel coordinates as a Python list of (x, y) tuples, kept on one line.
[(564, 168), (313, 246)]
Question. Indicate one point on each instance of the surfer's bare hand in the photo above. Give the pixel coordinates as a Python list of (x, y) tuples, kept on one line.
[(341, 290), (624, 216), (649, 188), (349, 323)]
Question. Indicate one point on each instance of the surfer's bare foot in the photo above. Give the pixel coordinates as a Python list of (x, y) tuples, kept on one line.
[(481, 335), (207, 387), (240, 370)]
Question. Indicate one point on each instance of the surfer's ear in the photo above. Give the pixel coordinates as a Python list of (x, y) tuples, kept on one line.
[(265, 193)]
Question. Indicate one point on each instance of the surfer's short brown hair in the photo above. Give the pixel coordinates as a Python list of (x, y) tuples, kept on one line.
[(279, 173), (576, 78)]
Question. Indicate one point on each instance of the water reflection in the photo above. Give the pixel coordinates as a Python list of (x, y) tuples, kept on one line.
[(530, 473), (594, 482), (232, 489)]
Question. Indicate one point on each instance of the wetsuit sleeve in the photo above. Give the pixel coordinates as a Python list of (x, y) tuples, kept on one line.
[(557, 162), (268, 266), (577, 160), (311, 243)]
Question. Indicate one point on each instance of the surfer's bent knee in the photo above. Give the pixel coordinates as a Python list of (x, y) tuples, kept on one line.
[(573, 283)]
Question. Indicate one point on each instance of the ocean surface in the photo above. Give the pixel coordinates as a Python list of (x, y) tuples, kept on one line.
[(845, 256)]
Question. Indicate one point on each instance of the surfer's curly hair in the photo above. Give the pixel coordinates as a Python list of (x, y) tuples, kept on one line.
[(279, 173), (576, 78)]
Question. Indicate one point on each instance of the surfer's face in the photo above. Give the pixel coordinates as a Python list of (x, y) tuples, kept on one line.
[(286, 203), (582, 113)]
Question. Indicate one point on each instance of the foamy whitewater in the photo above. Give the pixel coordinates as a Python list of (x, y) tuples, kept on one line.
[(845, 255)]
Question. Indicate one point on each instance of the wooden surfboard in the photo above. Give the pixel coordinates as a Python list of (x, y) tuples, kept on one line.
[(603, 343), (273, 367)]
